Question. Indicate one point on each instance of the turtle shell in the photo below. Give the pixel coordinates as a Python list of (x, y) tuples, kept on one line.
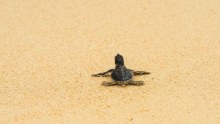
[(121, 74)]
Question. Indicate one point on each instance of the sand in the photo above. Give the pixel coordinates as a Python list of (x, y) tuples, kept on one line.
[(49, 49)]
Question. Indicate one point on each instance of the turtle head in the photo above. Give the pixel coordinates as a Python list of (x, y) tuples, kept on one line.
[(119, 61)]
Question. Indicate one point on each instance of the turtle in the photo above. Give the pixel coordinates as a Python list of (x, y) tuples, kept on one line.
[(121, 75)]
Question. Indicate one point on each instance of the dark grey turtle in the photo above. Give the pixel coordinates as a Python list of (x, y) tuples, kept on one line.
[(121, 75)]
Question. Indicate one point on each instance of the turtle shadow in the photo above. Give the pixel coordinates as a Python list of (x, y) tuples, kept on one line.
[(134, 75)]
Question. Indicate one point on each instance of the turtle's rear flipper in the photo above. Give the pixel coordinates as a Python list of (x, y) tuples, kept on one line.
[(108, 83), (102, 74), (138, 83)]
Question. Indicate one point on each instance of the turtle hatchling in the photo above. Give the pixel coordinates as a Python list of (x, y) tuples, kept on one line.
[(121, 75)]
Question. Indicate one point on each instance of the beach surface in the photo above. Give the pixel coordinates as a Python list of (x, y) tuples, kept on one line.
[(49, 49)]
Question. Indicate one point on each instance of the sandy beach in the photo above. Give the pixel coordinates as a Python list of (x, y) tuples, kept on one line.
[(49, 49)]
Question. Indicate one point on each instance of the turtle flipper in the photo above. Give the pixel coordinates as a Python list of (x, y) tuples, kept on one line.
[(138, 83), (105, 83), (102, 74), (139, 72)]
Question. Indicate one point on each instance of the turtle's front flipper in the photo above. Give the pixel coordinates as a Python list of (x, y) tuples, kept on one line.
[(108, 83), (102, 74), (138, 83), (139, 72)]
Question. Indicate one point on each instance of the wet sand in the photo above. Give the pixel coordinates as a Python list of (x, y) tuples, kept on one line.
[(50, 49)]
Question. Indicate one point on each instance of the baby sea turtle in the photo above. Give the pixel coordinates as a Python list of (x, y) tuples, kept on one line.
[(121, 75)]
